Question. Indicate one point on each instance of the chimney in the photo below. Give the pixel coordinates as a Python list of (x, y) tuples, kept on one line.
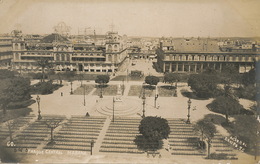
[(253, 48), (161, 45)]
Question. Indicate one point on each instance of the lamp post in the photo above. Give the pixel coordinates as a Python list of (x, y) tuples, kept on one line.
[(188, 120), (101, 94), (155, 96), (71, 91), (38, 99), (113, 116), (91, 146), (84, 103), (143, 97)]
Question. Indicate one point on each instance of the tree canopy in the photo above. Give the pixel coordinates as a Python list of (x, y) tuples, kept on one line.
[(154, 128), (249, 78), (245, 127), (102, 79), (204, 86), (14, 90), (5, 74), (226, 105), (171, 78), (152, 80), (207, 130), (43, 63)]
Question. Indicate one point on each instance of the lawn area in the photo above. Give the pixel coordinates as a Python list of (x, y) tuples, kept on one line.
[(166, 91), (110, 90), (136, 90), (80, 90), (130, 78), (149, 91)]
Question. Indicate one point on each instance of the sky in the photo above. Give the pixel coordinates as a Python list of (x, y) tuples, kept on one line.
[(168, 18)]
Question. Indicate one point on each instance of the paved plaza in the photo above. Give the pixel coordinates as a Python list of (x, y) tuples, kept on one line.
[(106, 149), (113, 139)]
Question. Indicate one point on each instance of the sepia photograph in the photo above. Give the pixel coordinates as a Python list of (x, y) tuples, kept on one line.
[(130, 81)]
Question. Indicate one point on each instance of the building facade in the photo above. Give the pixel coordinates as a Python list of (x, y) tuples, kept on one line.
[(5, 52), (67, 55), (197, 55)]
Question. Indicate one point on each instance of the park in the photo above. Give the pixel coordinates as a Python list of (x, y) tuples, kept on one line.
[(135, 116)]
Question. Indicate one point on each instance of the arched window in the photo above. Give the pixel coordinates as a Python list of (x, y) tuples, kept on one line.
[(195, 57), (190, 57), (16, 46), (177, 57), (58, 57), (109, 48), (115, 47), (68, 57), (202, 58), (215, 58), (62, 57), (109, 57)]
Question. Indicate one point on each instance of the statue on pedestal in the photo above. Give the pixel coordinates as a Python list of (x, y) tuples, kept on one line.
[(119, 94)]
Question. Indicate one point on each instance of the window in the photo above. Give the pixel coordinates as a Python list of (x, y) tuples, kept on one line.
[(58, 57)]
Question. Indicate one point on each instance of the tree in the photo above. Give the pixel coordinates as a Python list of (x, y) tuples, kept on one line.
[(11, 125), (5, 98), (52, 124), (201, 127), (153, 130), (207, 130), (226, 105), (230, 74), (249, 78), (101, 80), (209, 134), (6, 74), (246, 128), (14, 90), (43, 63), (69, 75), (205, 86), (152, 80), (171, 78)]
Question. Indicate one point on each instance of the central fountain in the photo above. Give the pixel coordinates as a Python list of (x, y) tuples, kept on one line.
[(121, 105)]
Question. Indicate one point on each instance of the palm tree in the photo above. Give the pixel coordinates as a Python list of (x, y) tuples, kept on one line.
[(43, 63)]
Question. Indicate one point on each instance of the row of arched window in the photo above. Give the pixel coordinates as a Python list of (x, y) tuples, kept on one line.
[(18, 46), (38, 53), (62, 57), (111, 48), (209, 57), (86, 54)]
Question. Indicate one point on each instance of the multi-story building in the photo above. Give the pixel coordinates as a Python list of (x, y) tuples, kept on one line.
[(195, 55), (5, 51), (68, 55)]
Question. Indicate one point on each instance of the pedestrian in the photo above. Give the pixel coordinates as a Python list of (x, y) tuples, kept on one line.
[(61, 94), (194, 108)]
